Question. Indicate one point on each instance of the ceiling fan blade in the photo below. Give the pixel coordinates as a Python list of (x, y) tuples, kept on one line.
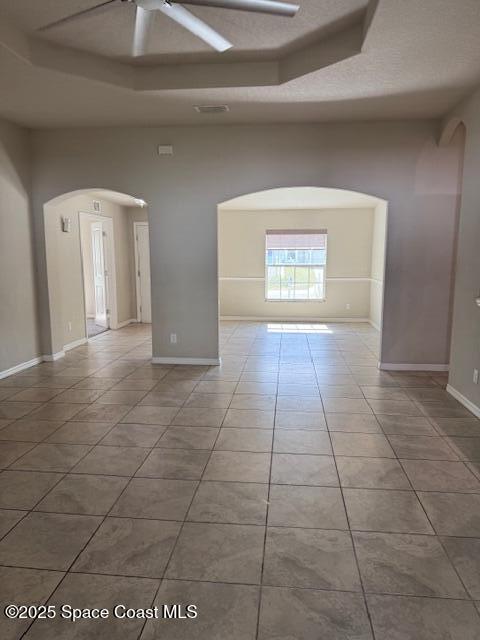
[(273, 7), (195, 25), (79, 14), (143, 22)]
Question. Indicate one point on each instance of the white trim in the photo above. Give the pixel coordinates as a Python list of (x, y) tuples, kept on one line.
[(99, 335), (374, 324), (468, 404), (167, 360), (138, 289), (310, 320), (400, 366), (327, 279), (20, 367), (109, 254), (75, 343), (51, 357), (120, 325)]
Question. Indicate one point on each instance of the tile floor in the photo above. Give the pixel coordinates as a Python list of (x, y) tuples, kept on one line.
[(294, 493)]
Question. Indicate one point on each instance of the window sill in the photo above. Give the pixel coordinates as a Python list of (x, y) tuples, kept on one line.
[(297, 300)]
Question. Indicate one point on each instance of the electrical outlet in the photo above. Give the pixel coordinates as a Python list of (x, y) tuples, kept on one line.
[(69, 327), (475, 376), (173, 338), (347, 306)]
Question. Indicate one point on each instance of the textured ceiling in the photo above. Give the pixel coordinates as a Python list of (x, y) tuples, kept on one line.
[(418, 59), (109, 31)]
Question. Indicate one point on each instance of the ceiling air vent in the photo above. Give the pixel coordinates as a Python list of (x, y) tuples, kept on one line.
[(211, 108)]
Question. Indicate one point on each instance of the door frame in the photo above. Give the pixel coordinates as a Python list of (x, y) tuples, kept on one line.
[(138, 276), (109, 261)]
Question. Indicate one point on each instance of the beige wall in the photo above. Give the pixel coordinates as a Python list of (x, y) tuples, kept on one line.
[(397, 161), (465, 347), (19, 332), (377, 273), (64, 262), (241, 241)]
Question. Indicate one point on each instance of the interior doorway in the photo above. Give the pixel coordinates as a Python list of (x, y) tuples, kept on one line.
[(142, 266), (98, 268), (305, 256)]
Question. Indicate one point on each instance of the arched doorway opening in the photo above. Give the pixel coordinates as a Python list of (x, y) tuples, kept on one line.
[(95, 241), (271, 272)]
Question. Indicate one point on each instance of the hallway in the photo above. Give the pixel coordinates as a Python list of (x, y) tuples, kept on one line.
[(295, 492)]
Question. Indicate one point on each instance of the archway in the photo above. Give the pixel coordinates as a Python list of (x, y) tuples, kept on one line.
[(90, 253), (347, 287)]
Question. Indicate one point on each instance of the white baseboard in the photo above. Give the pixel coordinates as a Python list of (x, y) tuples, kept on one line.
[(374, 325), (120, 325), (20, 367), (468, 404), (51, 357), (195, 361), (394, 366), (75, 343), (293, 319)]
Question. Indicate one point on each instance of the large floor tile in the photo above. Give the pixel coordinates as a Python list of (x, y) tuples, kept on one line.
[(224, 611), (378, 510), (370, 445), (256, 440), (453, 514), (371, 473), (197, 417), (179, 464), (440, 475), (30, 585), (399, 618), (302, 441), (80, 432), (406, 425), (300, 420), (353, 422), (8, 519), (230, 502), (83, 494), (29, 430), (249, 418), (109, 460), (422, 447), (11, 451), (466, 448), (96, 591), (47, 540), (465, 556), (306, 614), (406, 565), (311, 559), (300, 506), (218, 553), (23, 489), (134, 435), (52, 457), (155, 498), (346, 405), (289, 468), (240, 466), (149, 415), (188, 438), (129, 547)]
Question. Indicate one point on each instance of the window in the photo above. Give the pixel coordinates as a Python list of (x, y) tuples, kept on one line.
[(295, 265)]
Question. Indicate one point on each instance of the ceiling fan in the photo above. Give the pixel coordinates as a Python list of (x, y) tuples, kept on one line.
[(174, 9)]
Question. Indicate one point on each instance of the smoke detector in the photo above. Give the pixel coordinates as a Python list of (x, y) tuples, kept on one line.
[(211, 108)]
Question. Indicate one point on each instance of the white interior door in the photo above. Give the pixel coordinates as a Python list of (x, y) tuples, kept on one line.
[(144, 302), (99, 277)]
